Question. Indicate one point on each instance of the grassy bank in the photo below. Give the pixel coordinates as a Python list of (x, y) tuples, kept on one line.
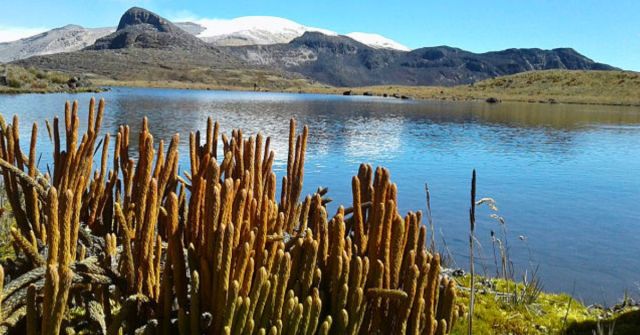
[(552, 86), (16, 79)]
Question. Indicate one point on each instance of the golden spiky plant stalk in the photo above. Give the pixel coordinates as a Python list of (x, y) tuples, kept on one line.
[(143, 249)]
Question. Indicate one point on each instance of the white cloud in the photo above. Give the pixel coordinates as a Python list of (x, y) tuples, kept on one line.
[(8, 34)]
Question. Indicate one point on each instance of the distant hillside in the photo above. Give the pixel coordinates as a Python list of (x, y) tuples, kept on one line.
[(342, 61)]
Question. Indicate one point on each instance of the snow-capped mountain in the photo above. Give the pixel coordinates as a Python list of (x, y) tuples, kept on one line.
[(257, 30), (253, 30), (246, 30)]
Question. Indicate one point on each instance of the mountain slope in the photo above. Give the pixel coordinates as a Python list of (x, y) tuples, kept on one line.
[(63, 39)]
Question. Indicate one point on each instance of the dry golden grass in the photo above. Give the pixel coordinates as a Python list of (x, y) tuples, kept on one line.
[(561, 86)]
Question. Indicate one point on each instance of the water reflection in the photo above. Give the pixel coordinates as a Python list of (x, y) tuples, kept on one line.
[(563, 175)]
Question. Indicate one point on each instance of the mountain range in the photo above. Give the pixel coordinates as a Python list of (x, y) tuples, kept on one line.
[(147, 43), (246, 30)]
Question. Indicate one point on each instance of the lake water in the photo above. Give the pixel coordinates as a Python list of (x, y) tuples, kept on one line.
[(566, 178)]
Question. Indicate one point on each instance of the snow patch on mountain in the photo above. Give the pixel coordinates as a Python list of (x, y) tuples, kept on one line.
[(251, 30), (377, 41)]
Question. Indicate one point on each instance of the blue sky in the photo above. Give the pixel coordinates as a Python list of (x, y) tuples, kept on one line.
[(606, 31)]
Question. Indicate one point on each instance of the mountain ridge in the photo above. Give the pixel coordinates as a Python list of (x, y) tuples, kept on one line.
[(341, 61)]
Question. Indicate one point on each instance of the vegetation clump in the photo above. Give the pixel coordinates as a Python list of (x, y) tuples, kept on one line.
[(133, 247), (16, 79)]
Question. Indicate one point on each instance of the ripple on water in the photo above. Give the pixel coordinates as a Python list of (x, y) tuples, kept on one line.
[(565, 176)]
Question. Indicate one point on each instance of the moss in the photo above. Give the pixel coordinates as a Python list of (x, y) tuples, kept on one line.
[(549, 314), (624, 323)]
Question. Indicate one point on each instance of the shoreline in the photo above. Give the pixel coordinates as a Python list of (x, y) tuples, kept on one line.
[(46, 91), (359, 91), (600, 88), (421, 93)]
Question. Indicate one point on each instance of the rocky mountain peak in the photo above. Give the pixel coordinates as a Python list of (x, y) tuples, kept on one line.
[(136, 16), (141, 28)]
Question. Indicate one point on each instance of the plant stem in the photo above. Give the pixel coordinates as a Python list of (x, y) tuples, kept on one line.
[(472, 226)]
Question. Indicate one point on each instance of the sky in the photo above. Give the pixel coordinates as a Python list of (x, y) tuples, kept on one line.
[(605, 31)]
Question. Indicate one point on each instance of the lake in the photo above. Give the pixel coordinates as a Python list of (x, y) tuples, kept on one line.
[(566, 178)]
